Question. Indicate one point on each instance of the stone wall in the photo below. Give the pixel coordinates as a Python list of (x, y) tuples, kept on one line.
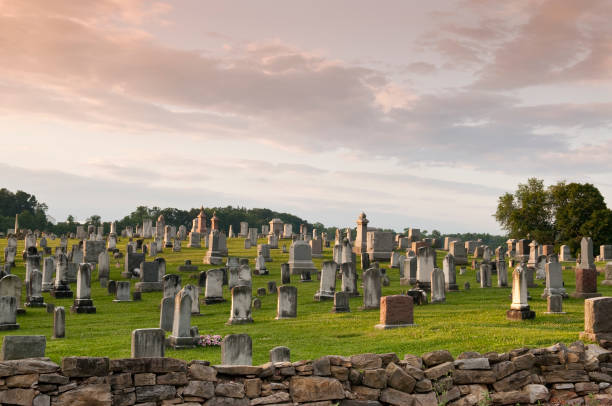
[(573, 375)]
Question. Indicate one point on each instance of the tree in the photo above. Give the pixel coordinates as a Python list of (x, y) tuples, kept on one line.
[(527, 213), (574, 206), (94, 220)]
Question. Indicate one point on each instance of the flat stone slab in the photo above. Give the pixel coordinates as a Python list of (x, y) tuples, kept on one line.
[(20, 347)]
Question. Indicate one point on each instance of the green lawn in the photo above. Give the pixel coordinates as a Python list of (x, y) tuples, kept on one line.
[(469, 320)]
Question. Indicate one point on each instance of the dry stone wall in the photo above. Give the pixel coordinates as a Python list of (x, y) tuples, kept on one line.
[(560, 374)]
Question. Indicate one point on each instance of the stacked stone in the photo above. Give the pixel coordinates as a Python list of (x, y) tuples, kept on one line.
[(574, 374)]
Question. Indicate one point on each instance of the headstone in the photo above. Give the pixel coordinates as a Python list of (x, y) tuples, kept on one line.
[(92, 250), (540, 267), (171, 285), (438, 291), (8, 312), (122, 293), (22, 347), (605, 253), (237, 349), (608, 275), (485, 276), (372, 290), (554, 279), (194, 240), (565, 254), (349, 279), (213, 255), (247, 244), (70, 275), (194, 292), (166, 313), (10, 285), (394, 261), (519, 309), (285, 274), (410, 270), (341, 303), (502, 274), (59, 322), (148, 343), (327, 285), (176, 245), (253, 236), (260, 266), (586, 273), (287, 230), (396, 311), (240, 312), (379, 245), (450, 272), (240, 277), (181, 328), (300, 258), (426, 262), (103, 269), (112, 287), (34, 297), (287, 302), (597, 320), (554, 304), (280, 354), (83, 302), (149, 277), (132, 261), (214, 286), (244, 229), (48, 273)]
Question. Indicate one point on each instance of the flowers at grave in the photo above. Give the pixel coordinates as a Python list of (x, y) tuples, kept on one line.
[(210, 340)]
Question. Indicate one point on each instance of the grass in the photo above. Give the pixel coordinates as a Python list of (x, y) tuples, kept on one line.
[(472, 320)]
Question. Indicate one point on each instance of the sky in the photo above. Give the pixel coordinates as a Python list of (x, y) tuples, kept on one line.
[(420, 114)]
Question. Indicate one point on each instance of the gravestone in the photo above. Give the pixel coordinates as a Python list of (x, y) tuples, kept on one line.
[(181, 328), (565, 254), (605, 253), (244, 229), (450, 272), (365, 261), (327, 285), (48, 273), (394, 261), (349, 279), (148, 343), (188, 267), (608, 275), (586, 273), (347, 255), (8, 313), (59, 322), (502, 274), (92, 250), (372, 290), (379, 245), (103, 269), (597, 320), (176, 245), (438, 291), (70, 275), (287, 302), (280, 354), (540, 268), (122, 292), (214, 286), (426, 262), (260, 266), (253, 236), (240, 312), (213, 255), (166, 313), (171, 285), (194, 292), (554, 304), (285, 274), (22, 347), (341, 303), (396, 311), (410, 270), (300, 258), (272, 287), (522, 250), (83, 302), (131, 262), (111, 244), (240, 277), (316, 247), (485, 276), (247, 244), (112, 287), (34, 297), (10, 285), (237, 349), (519, 309), (194, 240), (554, 279), (149, 277)]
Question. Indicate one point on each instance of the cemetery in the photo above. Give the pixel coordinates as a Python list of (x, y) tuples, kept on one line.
[(252, 324)]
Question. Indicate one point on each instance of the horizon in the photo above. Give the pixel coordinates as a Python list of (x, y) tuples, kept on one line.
[(420, 115)]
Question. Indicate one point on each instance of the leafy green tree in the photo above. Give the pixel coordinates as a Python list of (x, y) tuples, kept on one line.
[(528, 212)]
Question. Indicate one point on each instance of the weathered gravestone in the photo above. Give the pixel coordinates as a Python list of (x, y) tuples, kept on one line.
[(597, 320), (8, 313), (214, 286), (286, 302), (349, 279), (426, 262), (148, 343), (300, 258), (565, 254), (181, 328), (280, 354), (92, 250), (372, 290), (10, 285), (59, 322), (554, 304), (450, 272), (48, 273), (34, 297), (379, 245), (438, 291), (149, 278), (21, 347), (327, 285), (554, 279), (608, 275), (341, 303), (396, 311), (240, 312), (485, 276), (122, 293), (237, 349)]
